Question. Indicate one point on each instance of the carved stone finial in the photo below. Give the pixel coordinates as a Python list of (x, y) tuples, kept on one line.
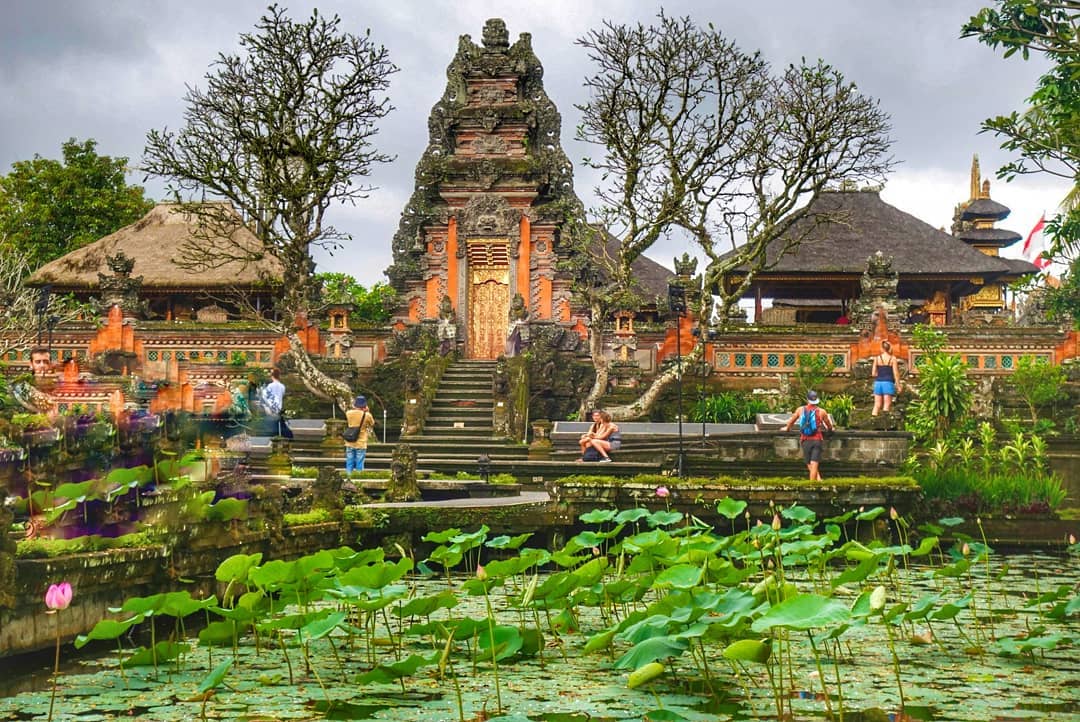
[(496, 37), (685, 266), (878, 298), (119, 288)]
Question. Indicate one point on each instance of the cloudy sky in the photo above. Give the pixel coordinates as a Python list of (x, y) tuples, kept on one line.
[(113, 69)]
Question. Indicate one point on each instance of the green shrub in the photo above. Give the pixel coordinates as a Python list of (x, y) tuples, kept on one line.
[(305, 472), (315, 516), (729, 407), (840, 408)]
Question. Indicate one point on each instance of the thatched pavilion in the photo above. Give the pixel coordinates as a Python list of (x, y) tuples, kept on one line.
[(167, 289), (820, 277)]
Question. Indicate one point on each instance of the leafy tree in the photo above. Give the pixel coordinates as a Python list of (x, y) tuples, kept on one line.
[(1038, 382), (49, 208), (372, 305), (699, 138), (1046, 135), (283, 130)]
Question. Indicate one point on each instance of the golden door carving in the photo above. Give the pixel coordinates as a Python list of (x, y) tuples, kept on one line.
[(489, 304)]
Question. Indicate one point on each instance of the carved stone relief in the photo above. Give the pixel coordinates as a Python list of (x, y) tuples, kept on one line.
[(488, 215)]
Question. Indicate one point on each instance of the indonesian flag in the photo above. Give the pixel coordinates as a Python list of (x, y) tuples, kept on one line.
[(1034, 245)]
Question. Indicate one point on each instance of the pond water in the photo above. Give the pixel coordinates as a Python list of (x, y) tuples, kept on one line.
[(991, 640)]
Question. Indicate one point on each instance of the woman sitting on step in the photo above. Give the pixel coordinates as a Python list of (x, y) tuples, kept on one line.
[(598, 438)]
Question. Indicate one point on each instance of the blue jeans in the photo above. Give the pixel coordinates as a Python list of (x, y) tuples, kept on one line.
[(354, 459)]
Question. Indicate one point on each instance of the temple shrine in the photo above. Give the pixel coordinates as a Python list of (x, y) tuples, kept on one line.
[(493, 200)]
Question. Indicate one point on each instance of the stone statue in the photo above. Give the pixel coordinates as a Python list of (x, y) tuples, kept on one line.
[(447, 326), (878, 298), (517, 336), (120, 288)]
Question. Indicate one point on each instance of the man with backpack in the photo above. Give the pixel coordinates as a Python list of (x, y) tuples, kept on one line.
[(812, 421)]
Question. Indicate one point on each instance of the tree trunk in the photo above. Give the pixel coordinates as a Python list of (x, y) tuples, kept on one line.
[(314, 379)]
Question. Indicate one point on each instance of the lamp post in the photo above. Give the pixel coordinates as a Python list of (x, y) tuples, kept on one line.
[(677, 301)]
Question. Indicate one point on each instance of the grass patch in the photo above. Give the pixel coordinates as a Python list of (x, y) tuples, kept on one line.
[(315, 516)]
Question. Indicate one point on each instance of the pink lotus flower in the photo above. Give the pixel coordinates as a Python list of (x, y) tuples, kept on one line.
[(481, 573), (58, 597), (663, 492), (776, 523)]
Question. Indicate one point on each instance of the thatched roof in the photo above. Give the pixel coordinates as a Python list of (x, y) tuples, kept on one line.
[(154, 242), (870, 225), (984, 208), (649, 277)]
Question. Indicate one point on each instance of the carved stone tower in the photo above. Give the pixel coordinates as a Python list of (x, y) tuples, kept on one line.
[(493, 191)]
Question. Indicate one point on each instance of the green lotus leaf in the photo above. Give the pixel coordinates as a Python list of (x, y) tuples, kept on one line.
[(75, 492), (680, 576), (950, 610), (141, 605), (441, 537), (664, 518), (220, 633), (598, 516), (664, 715), (729, 508), (600, 640), (163, 651), (629, 516), (396, 670), (651, 650), (798, 513), (804, 611), (864, 570), (236, 567), (749, 650), (320, 627), (216, 677), (506, 642), (107, 629), (376, 576), (508, 542), (870, 514), (425, 606)]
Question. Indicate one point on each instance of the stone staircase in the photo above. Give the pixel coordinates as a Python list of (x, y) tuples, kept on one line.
[(458, 428)]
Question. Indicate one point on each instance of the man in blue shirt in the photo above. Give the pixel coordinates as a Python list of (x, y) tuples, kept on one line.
[(272, 398)]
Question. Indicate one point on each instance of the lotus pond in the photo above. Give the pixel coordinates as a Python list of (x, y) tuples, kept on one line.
[(641, 616)]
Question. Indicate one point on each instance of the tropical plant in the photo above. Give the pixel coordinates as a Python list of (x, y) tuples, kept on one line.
[(840, 408), (1038, 382), (944, 391), (729, 407), (810, 371)]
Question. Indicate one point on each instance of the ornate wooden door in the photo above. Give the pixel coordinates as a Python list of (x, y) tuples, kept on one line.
[(489, 298)]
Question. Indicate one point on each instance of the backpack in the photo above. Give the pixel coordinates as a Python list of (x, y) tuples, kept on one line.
[(808, 422)]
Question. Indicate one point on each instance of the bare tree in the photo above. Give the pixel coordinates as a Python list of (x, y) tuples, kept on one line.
[(283, 130), (20, 306), (701, 139)]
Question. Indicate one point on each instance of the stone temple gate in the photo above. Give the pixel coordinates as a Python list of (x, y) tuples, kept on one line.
[(493, 190)]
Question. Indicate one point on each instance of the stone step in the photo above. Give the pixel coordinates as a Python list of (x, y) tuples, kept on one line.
[(463, 411), (455, 424)]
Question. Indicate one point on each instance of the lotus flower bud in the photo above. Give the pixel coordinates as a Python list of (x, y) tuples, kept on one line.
[(58, 596)]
